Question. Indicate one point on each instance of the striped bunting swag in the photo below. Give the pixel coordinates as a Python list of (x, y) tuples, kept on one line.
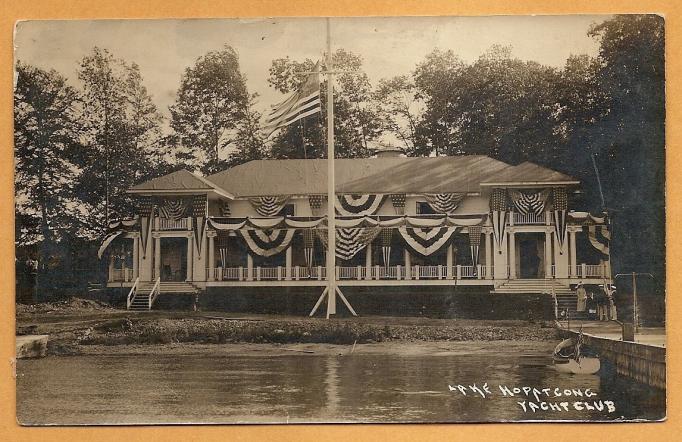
[(398, 201), (349, 205), (426, 241), (146, 211), (199, 220), (269, 205), (529, 203), (108, 240), (174, 208), (560, 201), (475, 243), (498, 208), (349, 241), (386, 237), (302, 103), (223, 238), (444, 202), (268, 242), (600, 244), (308, 246)]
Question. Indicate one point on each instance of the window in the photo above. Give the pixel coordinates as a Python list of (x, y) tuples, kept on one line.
[(423, 208)]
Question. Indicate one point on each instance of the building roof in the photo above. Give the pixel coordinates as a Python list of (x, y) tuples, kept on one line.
[(179, 181), (465, 173)]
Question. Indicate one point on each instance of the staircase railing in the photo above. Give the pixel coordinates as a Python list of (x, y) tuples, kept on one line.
[(132, 293), (155, 292)]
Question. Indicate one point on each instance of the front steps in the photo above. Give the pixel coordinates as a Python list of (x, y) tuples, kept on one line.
[(144, 290), (529, 286)]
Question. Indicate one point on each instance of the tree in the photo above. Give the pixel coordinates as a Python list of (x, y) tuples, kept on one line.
[(249, 143), (121, 124), (400, 110), (630, 150), (356, 120), (498, 106), (46, 136), (212, 101)]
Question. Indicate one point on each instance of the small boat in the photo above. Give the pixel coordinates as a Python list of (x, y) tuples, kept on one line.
[(568, 357)]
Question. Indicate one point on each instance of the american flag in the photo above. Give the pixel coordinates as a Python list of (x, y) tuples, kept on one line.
[(300, 104)]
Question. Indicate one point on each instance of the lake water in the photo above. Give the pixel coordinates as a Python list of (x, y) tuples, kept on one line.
[(216, 387)]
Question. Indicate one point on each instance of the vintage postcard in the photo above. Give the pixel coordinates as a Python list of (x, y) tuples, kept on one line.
[(320, 220)]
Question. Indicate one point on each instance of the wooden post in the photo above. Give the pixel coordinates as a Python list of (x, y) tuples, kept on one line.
[(190, 258), (572, 250), (489, 255), (136, 257), (548, 253), (408, 263), (512, 254), (249, 267), (157, 258), (449, 261), (287, 274)]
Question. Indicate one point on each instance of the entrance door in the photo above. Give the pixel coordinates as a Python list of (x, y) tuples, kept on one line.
[(173, 259), (531, 255)]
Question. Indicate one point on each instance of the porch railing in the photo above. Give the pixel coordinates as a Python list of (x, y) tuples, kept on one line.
[(172, 224), (589, 271), (531, 218), (121, 275)]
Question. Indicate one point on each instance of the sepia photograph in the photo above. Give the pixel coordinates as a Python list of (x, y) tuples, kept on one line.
[(340, 220)]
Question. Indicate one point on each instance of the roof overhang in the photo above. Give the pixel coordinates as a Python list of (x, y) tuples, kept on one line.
[(180, 192)]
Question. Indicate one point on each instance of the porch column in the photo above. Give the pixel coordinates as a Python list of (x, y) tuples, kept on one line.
[(136, 257), (488, 255), (408, 263), (368, 261), (548, 253), (448, 261), (249, 267), (211, 258), (512, 254), (157, 258), (190, 258), (561, 262), (287, 274), (572, 252)]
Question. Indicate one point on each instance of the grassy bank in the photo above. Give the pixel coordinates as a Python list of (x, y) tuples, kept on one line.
[(165, 331)]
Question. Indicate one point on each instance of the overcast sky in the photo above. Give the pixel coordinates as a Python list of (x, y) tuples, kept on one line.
[(389, 46)]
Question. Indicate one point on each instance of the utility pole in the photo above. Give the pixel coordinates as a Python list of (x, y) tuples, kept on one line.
[(634, 275)]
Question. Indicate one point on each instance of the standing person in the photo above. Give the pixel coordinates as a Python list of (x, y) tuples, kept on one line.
[(582, 297), (591, 303), (601, 305), (611, 295)]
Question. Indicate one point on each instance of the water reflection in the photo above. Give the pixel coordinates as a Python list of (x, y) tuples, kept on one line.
[(305, 388)]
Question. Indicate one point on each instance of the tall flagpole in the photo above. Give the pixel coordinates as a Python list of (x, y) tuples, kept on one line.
[(332, 289), (331, 193)]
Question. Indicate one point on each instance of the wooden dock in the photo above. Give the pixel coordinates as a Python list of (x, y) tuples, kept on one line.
[(642, 362)]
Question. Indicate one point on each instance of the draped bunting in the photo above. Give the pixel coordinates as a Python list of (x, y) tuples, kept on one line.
[(498, 208), (299, 222), (107, 240), (475, 243), (560, 201), (199, 219), (529, 203), (426, 241), (269, 205), (267, 242), (146, 211), (350, 241), (386, 237), (398, 201), (174, 208), (315, 202), (225, 209), (308, 246), (444, 202), (586, 217), (358, 204), (601, 244), (222, 242), (123, 223)]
